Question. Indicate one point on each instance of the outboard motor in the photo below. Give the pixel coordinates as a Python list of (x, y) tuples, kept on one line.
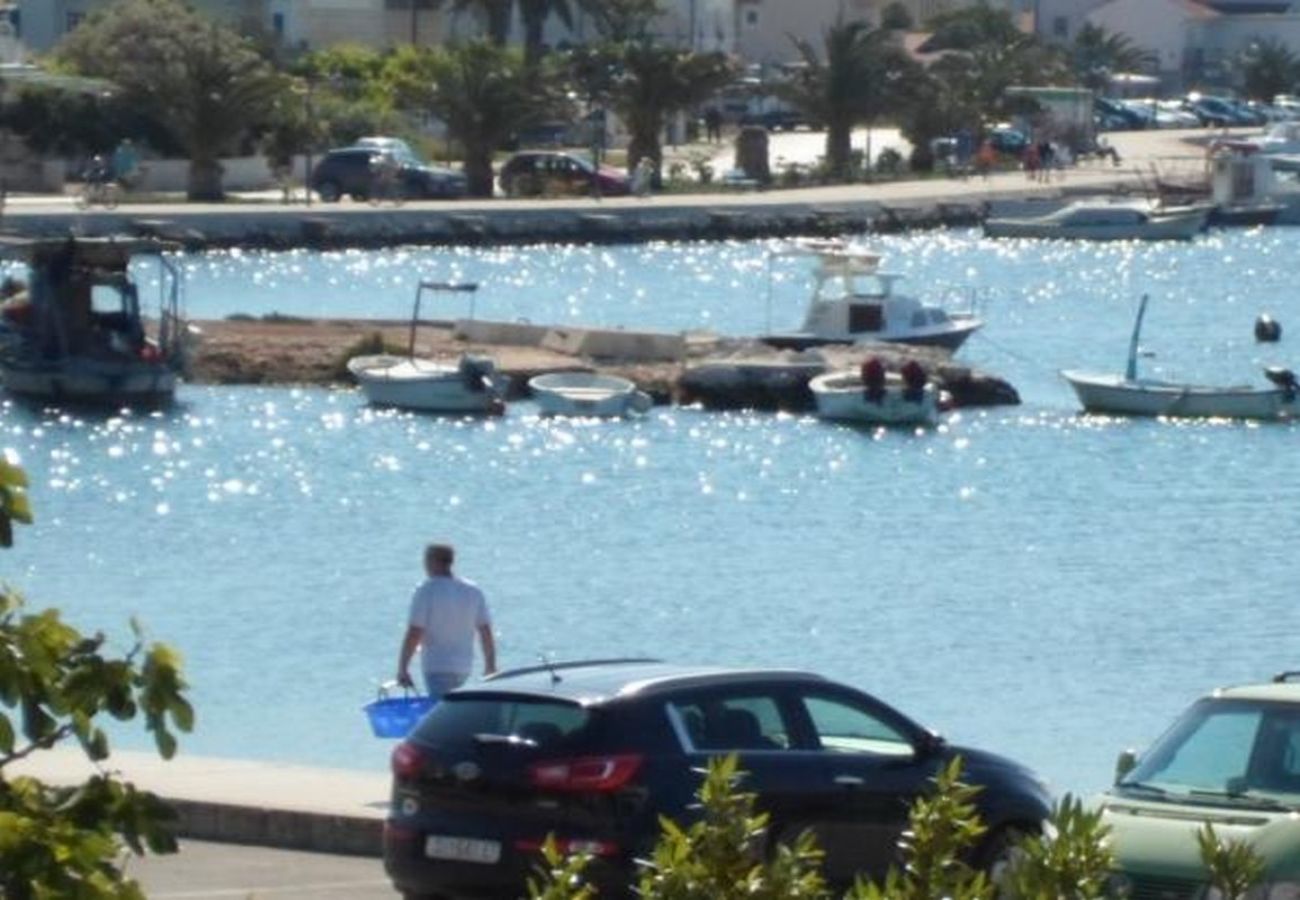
[(1283, 378), (914, 379), (1267, 329), (477, 372), (873, 380)]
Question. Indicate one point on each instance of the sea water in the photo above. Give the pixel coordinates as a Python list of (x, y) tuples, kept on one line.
[(1025, 579)]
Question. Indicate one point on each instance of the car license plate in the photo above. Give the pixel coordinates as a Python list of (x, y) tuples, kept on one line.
[(462, 849)]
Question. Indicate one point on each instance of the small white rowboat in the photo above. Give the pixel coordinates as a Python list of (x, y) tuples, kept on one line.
[(587, 394)]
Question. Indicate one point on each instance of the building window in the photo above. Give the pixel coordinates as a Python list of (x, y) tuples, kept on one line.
[(277, 25), (72, 20), (1061, 27), (751, 18)]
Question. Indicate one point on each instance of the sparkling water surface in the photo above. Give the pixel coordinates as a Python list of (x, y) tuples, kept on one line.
[(1026, 579)]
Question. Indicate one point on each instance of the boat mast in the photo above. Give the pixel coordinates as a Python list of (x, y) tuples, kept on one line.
[(1130, 373)]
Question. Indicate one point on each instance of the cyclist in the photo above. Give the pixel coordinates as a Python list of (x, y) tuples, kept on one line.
[(386, 183)]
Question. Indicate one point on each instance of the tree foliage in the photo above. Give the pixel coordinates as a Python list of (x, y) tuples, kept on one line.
[(203, 82), (730, 854), (1234, 867), (1097, 54), (1269, 68), (623, 20), (649, 83), (55, 685), (482, 91), (858, 74)]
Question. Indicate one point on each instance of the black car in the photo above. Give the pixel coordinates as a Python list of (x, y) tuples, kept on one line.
[(354, 171), (594, 753)]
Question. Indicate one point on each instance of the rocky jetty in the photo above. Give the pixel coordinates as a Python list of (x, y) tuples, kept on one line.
[(715, 372)]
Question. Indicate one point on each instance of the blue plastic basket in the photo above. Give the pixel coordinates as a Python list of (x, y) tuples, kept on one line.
[(394, 717)]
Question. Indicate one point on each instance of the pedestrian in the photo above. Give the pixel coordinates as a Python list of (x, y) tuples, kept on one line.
[(643, 174), (713, 124), (126, 163), (1031, 161), (1046, 160), (986, 158), (446, 614)]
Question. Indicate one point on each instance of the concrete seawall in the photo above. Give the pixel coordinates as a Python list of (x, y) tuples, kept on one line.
[(241, 801), (861, 208)]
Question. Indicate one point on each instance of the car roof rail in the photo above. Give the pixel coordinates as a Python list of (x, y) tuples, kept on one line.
[(1288, 675), (571, 664)]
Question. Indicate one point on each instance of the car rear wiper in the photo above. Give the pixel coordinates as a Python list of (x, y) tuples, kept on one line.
[(512, 740)]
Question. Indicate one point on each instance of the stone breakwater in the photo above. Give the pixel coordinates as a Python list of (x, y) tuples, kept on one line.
[(718, 373), (344, 226)]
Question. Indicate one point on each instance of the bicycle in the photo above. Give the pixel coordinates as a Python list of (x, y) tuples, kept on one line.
[(387, 186), (99, 192)]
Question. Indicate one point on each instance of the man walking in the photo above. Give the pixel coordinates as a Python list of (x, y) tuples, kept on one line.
[(446, 613)]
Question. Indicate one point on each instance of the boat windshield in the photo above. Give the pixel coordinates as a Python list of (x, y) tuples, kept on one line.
[(1227, 752)]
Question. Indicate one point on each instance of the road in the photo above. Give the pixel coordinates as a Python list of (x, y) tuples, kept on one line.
[(203, 871)]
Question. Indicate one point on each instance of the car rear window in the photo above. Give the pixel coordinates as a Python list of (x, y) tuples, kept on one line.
[(546, 723)]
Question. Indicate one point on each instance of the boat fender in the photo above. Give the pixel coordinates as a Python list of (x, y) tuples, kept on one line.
[(913, 381), (873, 380), (1267, 329)]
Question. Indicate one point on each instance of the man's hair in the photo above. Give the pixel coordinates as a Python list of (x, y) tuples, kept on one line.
[(443, 553)]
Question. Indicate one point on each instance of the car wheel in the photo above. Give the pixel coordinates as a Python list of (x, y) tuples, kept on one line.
[(1000, 851), (329, 191)]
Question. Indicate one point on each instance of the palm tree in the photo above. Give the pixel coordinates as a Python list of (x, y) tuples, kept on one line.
[(534, 14), (1269, 68), (481, 90), (497, 13), (1096, 54), (652, 83), (202, 82), (622, 20), (859, 74)]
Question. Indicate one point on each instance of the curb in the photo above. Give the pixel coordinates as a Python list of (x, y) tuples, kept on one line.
[(283, 829)]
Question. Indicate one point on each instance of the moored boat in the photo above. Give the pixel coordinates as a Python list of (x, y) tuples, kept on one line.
[(471, 384), (75, 332), (855, 301), (1123, 220), (872, 396), (1133, 395), (587, 394)]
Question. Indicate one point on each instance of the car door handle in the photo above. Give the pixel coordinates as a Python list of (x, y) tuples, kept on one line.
[(852, 781)]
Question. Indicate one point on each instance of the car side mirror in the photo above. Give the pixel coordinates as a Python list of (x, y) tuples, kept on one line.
[(1127, 762)]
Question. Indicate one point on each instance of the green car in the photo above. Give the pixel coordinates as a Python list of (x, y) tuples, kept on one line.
[(1233, 760)]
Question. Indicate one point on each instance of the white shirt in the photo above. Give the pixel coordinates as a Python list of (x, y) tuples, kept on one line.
[(450, 611)]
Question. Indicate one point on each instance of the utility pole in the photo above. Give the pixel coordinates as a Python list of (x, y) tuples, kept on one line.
[(415, 23)]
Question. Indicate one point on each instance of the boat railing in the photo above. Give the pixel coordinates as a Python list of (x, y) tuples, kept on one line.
[(455, 287)]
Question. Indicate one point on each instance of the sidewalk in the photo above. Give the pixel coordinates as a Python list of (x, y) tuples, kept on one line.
[(241, 801)]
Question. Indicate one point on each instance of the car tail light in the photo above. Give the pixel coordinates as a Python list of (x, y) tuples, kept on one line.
[(585, 773), (407, 761), (568, 846)]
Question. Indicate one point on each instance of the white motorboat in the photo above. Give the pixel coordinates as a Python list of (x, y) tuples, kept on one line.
[(1132, 395), (869, 395), (853, 301), (1091, 220), (470, 384), (75, 333), (587, 394)]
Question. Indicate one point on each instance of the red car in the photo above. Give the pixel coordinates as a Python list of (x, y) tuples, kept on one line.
[(534, 173)]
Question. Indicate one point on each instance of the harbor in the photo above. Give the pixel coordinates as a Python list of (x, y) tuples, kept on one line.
[(934, 566)]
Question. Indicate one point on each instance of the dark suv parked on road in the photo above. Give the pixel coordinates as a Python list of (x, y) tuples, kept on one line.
[(594, 753), (353, 171)]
